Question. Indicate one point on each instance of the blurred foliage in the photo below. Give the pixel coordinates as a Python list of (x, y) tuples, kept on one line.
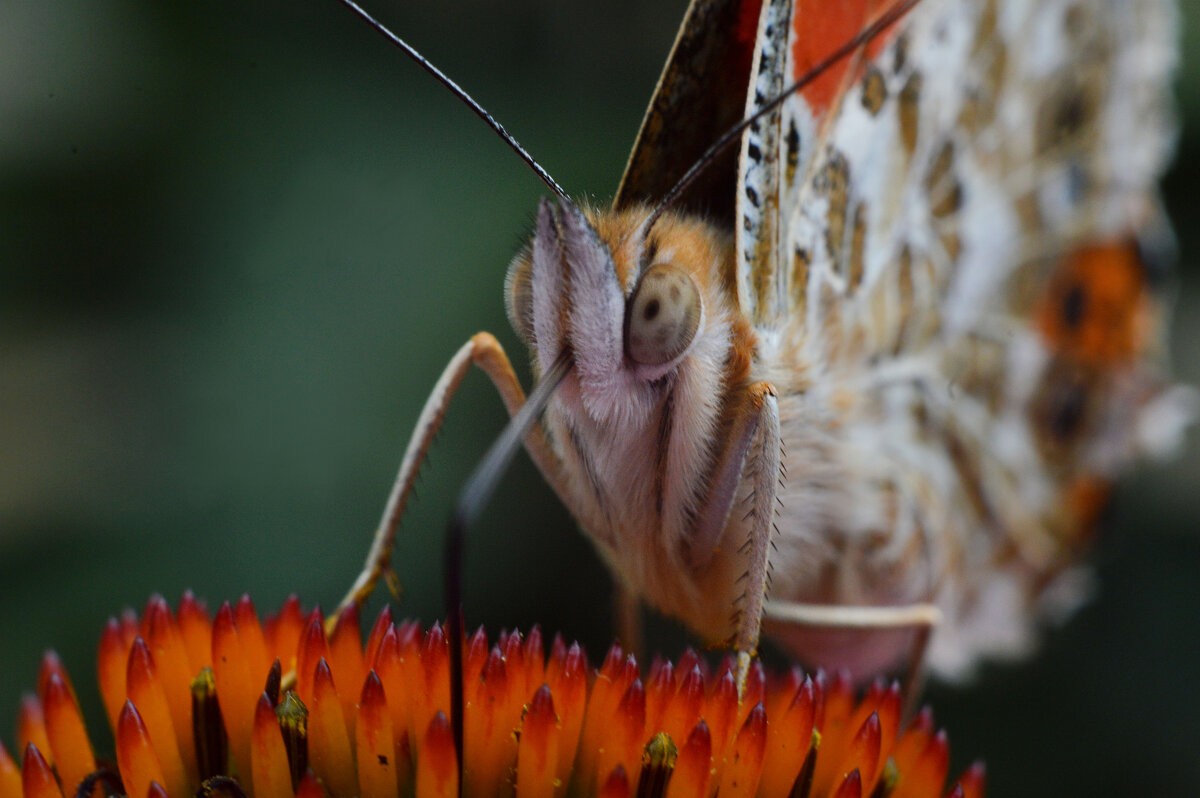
[(238, 243)]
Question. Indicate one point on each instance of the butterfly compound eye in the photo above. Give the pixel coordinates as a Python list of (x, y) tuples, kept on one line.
[(663, 317)]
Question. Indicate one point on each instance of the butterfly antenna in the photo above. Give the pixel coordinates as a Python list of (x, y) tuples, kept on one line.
[(461, 94), (471, 501), (734, 133)]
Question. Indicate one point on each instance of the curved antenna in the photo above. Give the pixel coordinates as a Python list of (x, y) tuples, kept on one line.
[(461, 94), (710, 155), (471, 501)]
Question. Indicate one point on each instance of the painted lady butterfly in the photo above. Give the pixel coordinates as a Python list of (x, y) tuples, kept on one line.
[(878, 369), (217, 121)]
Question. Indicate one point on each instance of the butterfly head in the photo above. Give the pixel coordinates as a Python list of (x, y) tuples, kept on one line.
[(633, 308)]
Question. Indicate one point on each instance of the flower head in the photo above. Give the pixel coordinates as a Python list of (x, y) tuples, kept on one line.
[(226, 705)]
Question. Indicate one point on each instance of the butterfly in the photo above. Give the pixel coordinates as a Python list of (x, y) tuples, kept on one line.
[(874, 371)]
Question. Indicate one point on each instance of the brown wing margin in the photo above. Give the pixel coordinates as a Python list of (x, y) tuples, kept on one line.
[(700, 95)]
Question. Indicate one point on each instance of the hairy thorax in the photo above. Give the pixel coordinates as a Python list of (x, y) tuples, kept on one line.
[(639, 443)]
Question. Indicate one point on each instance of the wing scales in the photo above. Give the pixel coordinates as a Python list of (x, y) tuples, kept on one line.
[(966, 216), (941, 245), (700, 95)]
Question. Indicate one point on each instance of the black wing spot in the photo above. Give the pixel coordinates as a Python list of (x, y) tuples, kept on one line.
[(1074, 304)]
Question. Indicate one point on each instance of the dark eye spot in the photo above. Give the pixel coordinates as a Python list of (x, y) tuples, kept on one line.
[(1071, 114), (1067, 413), (651, 310), (1073, 306)]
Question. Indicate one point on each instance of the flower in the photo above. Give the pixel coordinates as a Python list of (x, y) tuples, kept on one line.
[(226, 705)]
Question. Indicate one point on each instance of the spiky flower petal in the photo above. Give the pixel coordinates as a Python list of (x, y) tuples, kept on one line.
[(229, 705)]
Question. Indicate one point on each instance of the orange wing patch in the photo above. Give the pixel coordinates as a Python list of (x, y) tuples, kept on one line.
[(1098, 310), (818, 28), (1086, 499)]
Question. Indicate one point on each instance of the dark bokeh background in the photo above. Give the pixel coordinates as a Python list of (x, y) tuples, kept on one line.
[(238, 244)]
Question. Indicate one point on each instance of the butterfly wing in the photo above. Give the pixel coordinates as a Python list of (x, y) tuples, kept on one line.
[(949, 238), (700, 95)]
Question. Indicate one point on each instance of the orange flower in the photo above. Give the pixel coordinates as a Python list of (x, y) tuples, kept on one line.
[(229, 706)]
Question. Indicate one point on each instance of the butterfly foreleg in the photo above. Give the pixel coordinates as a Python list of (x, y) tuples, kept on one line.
[(752, 453), (764, 463), (484, 351)]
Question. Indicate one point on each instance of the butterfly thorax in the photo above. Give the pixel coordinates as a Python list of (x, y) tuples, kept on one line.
[(639, 441)]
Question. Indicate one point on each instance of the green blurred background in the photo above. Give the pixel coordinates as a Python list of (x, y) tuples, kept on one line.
[(238, 243)]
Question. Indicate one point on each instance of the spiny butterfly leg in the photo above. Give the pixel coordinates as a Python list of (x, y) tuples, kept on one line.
[(765, 463), (923, 618), (753, 451), (484, 351), (627, 610)]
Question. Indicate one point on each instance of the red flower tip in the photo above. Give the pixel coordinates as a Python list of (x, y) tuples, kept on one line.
[(851, 786), (51, 665), (475, 655), (723, 709), (328, 736), (624, 738), (269, 772), (73, 758), (282, 632), (439, 779), (685, 708), (972, 782), (37, 779), (196, 700), (687, 660), (744, 767), (309, 787), (110, 670), (789, 740), (313, 648), (612, 661), (535, 660), (136, 758), (382, 624), (31, 725), (693, 767), (756, 690), (616, 785), (155, 612), (660, 689), (537, 755), (346, 651), (195, 627)]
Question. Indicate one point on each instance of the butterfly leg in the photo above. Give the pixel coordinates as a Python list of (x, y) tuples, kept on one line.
[(753, 453), (627, 609), (765, 463), (484, 351), (922, 618)]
